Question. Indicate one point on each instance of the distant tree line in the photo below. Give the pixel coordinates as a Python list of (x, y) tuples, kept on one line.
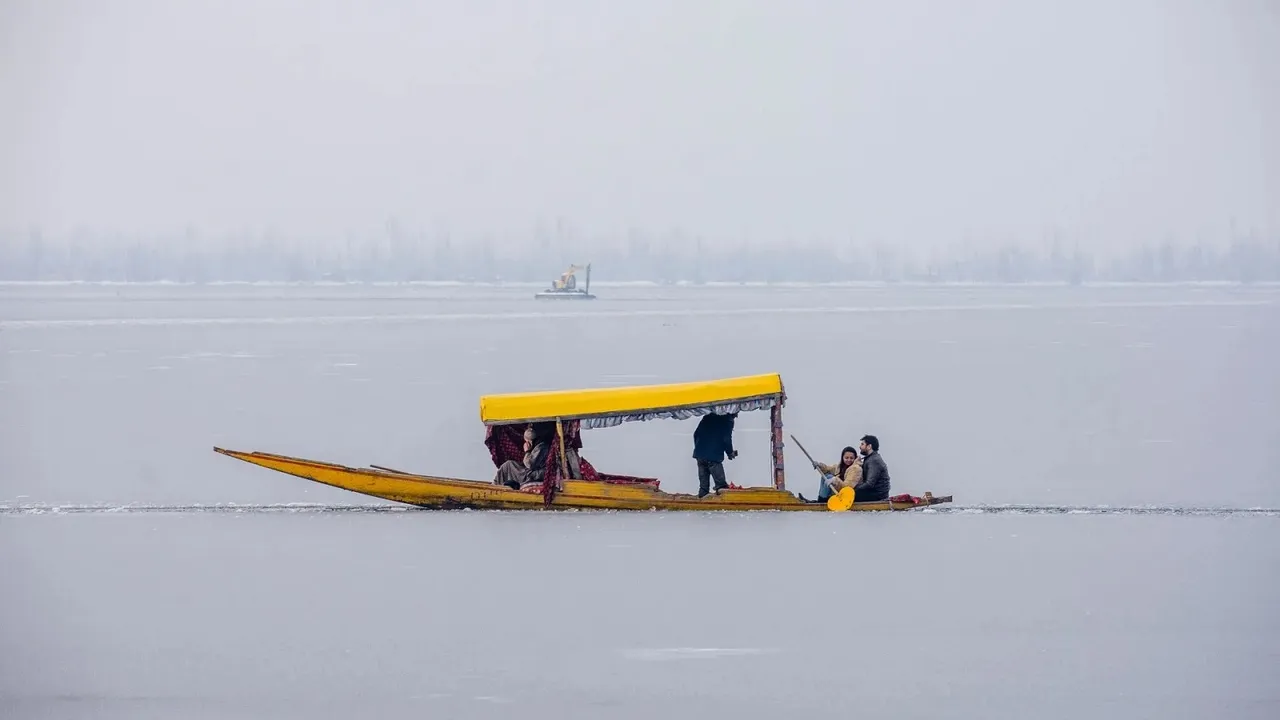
[(395, 255)]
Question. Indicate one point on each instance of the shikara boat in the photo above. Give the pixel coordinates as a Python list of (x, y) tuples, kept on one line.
[(570, 485)]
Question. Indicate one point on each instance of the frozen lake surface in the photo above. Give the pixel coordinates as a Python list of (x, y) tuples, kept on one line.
[(1131, 429)]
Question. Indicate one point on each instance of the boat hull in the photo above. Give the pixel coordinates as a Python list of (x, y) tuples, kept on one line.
[(439, 493), (565, 295)]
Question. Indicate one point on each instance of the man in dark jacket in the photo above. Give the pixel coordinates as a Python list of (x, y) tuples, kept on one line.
[(875, 474), (712, 443)]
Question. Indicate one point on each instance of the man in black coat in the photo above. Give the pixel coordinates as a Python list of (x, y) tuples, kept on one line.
[(874, 484), (712, 443)]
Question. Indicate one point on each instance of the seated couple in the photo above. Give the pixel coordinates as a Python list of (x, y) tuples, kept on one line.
[(867, 475), (532, 468)]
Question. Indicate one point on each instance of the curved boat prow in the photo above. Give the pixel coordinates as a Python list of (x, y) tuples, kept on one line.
[(384, 484)]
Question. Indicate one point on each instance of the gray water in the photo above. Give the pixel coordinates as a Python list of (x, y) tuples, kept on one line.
[(1112, 551)]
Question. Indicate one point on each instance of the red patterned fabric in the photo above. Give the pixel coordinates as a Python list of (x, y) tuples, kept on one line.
[(551, 480), (505, 442), (906, 498), (629, 480), (573, 434)]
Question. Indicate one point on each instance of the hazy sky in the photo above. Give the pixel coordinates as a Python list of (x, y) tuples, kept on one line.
[(921, 122)]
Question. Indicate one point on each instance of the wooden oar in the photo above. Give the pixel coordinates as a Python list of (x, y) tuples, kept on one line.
[(836, 502), (806, 452)]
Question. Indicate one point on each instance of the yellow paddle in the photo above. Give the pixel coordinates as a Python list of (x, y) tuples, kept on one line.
[(841, 501), (837, 502)]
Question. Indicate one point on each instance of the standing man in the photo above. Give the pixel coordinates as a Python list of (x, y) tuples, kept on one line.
[(712, 443), (874, 484)]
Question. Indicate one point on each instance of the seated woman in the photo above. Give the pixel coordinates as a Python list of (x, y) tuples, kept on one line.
[(531, 469), (847, 474)]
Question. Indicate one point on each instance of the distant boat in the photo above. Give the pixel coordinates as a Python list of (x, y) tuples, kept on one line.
[(566, 288)]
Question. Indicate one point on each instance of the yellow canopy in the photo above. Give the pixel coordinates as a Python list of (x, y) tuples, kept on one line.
[(642, 402)]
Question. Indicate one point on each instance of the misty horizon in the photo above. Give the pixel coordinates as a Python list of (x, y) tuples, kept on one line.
[(925, 126), (399, 255)]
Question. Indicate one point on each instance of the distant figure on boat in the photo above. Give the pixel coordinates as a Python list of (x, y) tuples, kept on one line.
[(847, 474), (712, 443), (874, 484), (574, 463), (531, 469), (547, 432)]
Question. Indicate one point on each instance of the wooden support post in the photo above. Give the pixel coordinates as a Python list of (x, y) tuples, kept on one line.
[(775, 445), (564, 465)]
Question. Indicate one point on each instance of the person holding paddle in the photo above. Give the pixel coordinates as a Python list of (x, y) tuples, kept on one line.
[(833, 488), (847, 474)]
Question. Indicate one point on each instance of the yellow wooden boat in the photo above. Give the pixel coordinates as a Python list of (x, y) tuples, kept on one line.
[(571, 411)]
